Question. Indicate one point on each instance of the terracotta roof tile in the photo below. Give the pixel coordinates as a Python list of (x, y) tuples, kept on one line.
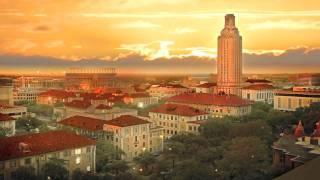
[(83, 122), (176, 109), (5, 117), (126, 120), (257, 81), (209, 99), (40, 143), (57, 94), (207, 85), (259, 87), (78, 104)]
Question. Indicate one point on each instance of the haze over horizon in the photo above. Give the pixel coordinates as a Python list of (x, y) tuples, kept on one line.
[(149, 36)]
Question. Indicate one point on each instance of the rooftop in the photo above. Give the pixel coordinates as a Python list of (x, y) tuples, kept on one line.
[(258, 81), (259, 87), (309, 170), (209, 99), (83, 122), (5, 117), (138, 95), (126, 120), (103, 106), (207, 85), (78, 104), (176, 109), (34, 144), (57, 93)]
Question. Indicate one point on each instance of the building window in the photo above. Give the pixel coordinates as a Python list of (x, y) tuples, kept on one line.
[(1, 165), (13, 164), (78, 160), (88, 149), (289, 103), (66, 153), (78, 151), (279, 102), (27, 161), (300, 102)]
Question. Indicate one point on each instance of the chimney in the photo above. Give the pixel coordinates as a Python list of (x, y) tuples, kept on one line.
[(24, 147)]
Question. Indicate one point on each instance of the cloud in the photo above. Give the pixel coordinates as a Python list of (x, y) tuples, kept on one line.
[(151, 50), (204, 14), (42, 28), (184, 30), (137, 25), (19, 45), (286, 24), (294, 60), (54, 44)]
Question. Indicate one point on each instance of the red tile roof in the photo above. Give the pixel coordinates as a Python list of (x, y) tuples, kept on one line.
[(207, 85), (103, 106), (78, 104), (177, 109), (168, 86), (41, 143), (57, 94), (259, 87), (83, 122), (257, 81), (138, 95), (209, 99), (5, 117), (126, 120)]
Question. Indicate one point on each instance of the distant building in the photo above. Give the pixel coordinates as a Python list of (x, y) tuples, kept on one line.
[(258, 93), (308, 80), (257, 81), (36, 149), (214, 104), (229, 60), (6, 91), (206, 88), (290, 100), (25, 94), (86, 126), (175, 118), (38, 83), (14, 111), (134, 135), (167, 90), (53, 96), (140, 100), (9, 123), (90, 79), (88, 109)]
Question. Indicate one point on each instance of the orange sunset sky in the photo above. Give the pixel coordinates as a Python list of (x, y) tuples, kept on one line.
[(111, 30)]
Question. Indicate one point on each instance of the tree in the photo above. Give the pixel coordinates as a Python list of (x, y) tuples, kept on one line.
[(244, 158), (117, 167), (28, 123), (252, 128), (24, 173), (309, 116), (55, 170), (145, 160), (216, 131), (106, 152), (192, 169), (4, 132)]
